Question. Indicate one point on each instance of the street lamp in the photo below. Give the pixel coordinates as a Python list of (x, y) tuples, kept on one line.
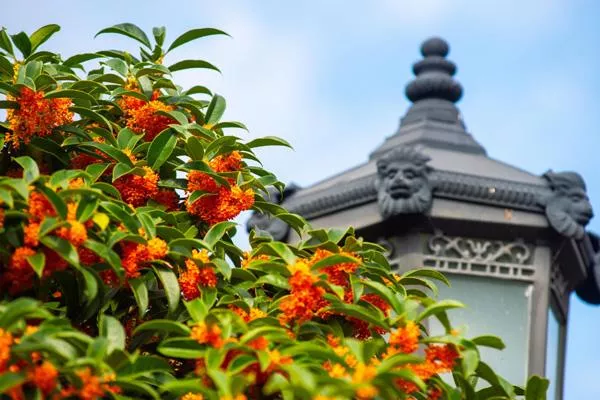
[(513, 244)]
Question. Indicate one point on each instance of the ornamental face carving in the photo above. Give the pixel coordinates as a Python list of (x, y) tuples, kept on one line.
[(568, 208), (402, 182)]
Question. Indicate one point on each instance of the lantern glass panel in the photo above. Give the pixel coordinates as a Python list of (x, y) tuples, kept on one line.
[(493, 307)]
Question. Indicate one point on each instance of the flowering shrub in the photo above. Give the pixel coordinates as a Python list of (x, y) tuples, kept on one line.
[(119, 277)]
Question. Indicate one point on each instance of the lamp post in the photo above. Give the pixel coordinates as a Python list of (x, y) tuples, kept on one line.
[(513, 244)]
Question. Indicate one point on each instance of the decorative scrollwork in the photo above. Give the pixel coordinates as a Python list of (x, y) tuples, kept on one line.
[(480, 250)]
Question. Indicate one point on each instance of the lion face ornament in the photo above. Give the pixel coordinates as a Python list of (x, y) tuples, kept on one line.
[(568, 208), (402, 182)]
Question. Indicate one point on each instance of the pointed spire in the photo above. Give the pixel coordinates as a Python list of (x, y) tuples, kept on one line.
[(434, 74), (433, 120)]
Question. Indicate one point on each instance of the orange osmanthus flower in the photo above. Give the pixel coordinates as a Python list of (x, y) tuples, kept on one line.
[(19, 275), (134, 255), (92, 387), (44, 376), (438, 359), (260, 343), (404, 340), (194, 276), (2, 216), (248, 259), (168, 198), (36, 116), (6, 342), (305, 298), (145, 118), (192, 396), (135, 189), (222, 203), (207, 334)]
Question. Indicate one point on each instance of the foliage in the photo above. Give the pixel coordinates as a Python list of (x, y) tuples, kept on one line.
[(118, 271)]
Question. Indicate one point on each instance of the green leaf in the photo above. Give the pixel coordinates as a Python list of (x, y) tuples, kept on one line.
[(489, 341), (197, 309), (41, 35), (111, 328), (537, 388), (80, 58), (107, 254), (93, 115), (268, 141), (434, 308), (174, 115), (140, 292), (187, 64), (283, 251), (18, 185), (21, 40), (428, 273), (30, 169), (198, 89), (5, 42), (121, 169), (272, 279), (168, 279), (181, 348), (51, 147), (223, 267), (6, 66), (215, 110), (163, 326), (70, 94), (387, 294), (63, 248), (186, 245), (16, 310), (37, 262), (118, 65), (98, 349), (137, 386), (333, 260), (360, 312), (130, 30), (144, 366), (159, 33), (217, 231), (4, 104), (96, 170), (194, 148), (59, 205), (8, 88), (161, 148), (193, 35), (110, 151), (127, 139), (121, 215), (469, 360), (9, 380), (86, 209)]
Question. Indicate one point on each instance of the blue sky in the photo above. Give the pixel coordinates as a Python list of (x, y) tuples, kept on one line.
[(329, 77)]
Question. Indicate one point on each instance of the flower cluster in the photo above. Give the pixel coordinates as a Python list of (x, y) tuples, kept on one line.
[(135, 255), (305, 298), (36, 116), (20, 273), (196, 276), (137, 190), (220, 203), (146, 117)]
